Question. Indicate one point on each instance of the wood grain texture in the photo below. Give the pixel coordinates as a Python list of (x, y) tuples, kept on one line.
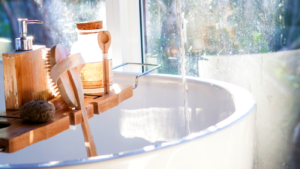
[(118, 94), (63, 82), (104, 42), (22, 134), (106, 77), (88, 137), (24, 74), (70, 66), (76, 116), (90, 25)]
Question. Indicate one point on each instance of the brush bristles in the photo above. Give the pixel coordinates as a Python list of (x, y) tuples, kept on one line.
[(43, 95), (53, 94), (47, 67)]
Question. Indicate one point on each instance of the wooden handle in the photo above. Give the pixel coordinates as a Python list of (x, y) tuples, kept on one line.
[(89, 141), (57, 54), (70, 65), (104, 41), (60, 68), (106, 73), (107, 77)]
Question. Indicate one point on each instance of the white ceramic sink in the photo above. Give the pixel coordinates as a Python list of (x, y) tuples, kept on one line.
[(147, 131)]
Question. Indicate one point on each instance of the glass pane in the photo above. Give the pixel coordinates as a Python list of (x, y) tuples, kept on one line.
[(250, 43), (215, 28), (59, 17)]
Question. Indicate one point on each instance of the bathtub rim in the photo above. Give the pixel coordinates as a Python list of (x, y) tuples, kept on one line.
[(235, 117)]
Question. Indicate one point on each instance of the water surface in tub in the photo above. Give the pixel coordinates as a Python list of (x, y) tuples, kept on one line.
[(155, 114)]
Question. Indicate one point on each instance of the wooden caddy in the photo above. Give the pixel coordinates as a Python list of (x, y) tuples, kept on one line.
[(22, 134), (23, 75)]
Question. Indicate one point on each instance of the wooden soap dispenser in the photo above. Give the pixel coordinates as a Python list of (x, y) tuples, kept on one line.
[(23, 69)]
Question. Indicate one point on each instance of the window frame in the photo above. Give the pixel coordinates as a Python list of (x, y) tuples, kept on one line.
[(124, 22)]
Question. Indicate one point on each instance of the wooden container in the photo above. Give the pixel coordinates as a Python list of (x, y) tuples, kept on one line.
[(24, 74)]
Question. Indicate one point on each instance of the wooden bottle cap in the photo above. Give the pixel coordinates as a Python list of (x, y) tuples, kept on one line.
[(89, 25)]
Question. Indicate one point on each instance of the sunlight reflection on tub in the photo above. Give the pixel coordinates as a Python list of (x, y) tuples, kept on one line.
[(153, 124)]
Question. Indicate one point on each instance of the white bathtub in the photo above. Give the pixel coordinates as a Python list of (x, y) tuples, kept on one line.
[(148, 130)]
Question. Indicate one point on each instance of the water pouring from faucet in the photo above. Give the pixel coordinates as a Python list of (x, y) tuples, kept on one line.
[(180, 24)]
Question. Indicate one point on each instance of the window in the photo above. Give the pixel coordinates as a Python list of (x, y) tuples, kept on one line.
[(59, 17), (250, 43), (215, 28)]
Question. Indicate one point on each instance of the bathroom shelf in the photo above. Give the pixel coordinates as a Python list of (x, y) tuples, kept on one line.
[(22, 134)]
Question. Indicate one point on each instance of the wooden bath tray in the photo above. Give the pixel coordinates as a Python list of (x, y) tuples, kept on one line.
[(22, 134)]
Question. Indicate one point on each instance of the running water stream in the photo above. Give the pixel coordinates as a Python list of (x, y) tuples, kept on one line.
[(180, 24)]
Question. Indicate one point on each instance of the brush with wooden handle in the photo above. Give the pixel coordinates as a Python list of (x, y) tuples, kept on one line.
[(104, 41), (51, 94), (66, 68)]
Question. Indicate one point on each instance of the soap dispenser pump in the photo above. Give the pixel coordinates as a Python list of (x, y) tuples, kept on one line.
[(24, 42), (24, 69)]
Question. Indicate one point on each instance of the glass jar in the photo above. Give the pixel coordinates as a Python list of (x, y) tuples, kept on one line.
[(92, 73)]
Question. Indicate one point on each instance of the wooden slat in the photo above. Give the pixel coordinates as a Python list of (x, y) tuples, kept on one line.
[(76, 116), (22, 134), (118, 94)]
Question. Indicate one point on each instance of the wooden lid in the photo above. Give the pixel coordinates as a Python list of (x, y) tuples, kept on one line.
[(89, 25)]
